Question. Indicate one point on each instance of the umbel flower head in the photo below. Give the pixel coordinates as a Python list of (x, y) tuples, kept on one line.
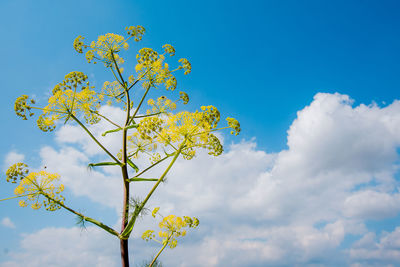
[(195, 128), (38, 188), (73, 96), (171, 227)]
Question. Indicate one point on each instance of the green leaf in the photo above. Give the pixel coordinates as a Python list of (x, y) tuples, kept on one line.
[(132, 165)]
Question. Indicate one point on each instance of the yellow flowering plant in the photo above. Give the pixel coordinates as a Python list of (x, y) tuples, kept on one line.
[(156, 133), (171, 227)]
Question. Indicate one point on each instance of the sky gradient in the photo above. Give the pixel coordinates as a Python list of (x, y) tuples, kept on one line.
[(312, 180)]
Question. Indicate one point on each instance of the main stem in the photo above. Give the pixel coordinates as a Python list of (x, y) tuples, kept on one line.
[(125, 211), (125, 203), (124, 168)]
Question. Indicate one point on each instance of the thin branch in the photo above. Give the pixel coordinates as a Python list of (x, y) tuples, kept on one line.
[(141, 76), (148, 168), (94, 138), (159, 252), (148, 115), (125, 234), (104, 117), (50, 110), (140, 103), (117, 68), (88, 219), (213, 130), (17, 196), (115, 76)]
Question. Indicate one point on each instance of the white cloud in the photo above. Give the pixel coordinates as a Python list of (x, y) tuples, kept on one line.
[(75, 175), (385, 251), (66, 247), (7, 223), (12, 158), (371, 204), (290, 208)]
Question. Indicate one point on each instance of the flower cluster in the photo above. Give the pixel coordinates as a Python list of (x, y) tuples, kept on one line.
[(105, 49), (35, 184), (151, 65), (171, 227), (186, 65), (137, 145), (234, 124), (163, 105), (16, 172), (136, 32), (192, 127), (78, 44), (22, 107), (184, 97), (112, 90), (214, 145), (169, 49), (149, 127), (67, 99)]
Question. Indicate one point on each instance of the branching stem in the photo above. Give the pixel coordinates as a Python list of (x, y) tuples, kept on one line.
[(94, 138)]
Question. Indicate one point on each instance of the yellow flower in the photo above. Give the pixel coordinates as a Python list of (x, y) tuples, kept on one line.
[(136, 32), (138, 67), (37, 184), (22, 203), (73, 95), (155, 211)]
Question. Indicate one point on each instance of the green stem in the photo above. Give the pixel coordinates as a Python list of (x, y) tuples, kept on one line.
[(117, 68), (149, 115), (50, 110), (88, 219), (148, 168), (166, 140), (141, 76), (213, 130), (104, 117), (158, 254), (125, 177), (140, 179), (94, 138), (73, 99), (125, 234), (115, 76), (140, 103), (17, 196)]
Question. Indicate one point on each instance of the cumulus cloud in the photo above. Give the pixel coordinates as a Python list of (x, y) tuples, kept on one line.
[(7, 223), (271, 209), (371, 251), (66, 247), (13, 157)]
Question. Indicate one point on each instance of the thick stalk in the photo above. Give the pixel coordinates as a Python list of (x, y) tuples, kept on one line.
[(124, 168), (125, 211)]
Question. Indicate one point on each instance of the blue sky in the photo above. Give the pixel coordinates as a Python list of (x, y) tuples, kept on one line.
[(273, 65)]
